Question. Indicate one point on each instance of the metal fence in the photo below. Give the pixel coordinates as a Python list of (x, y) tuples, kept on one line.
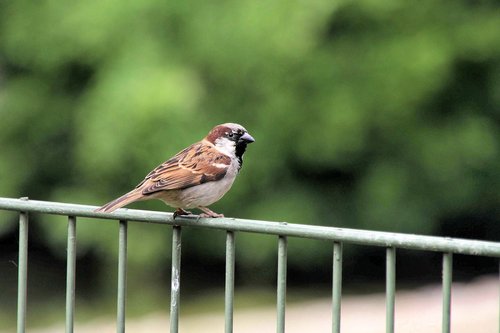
[(283, 230)]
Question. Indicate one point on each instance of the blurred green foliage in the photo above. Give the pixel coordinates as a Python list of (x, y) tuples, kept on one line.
[(376, 114)]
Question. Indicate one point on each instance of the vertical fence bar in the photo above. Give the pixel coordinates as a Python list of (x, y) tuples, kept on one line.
[(22, 282), (70, 274), (390, 289), (281, 294), (447, 280), (175, 279), (336, 286), (122, 277), (229, 289)]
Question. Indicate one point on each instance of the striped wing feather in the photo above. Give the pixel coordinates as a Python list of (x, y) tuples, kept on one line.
[(195, 165)]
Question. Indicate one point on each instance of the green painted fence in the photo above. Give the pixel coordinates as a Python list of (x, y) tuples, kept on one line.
[(338, 236)]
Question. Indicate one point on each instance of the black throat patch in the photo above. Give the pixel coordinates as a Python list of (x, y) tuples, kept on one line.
[(241, 147)]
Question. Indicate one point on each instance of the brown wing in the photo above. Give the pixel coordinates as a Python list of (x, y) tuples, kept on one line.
[(197, 164)]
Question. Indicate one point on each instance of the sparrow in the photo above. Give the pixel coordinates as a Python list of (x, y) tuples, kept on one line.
[(197, 176)]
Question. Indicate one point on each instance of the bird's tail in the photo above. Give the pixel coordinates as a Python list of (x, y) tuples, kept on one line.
[(124, 200)]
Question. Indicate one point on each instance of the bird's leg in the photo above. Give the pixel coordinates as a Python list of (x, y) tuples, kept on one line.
[(180, 211), (209, 213)]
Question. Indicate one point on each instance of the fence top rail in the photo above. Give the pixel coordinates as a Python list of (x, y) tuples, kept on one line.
[(363, 237)]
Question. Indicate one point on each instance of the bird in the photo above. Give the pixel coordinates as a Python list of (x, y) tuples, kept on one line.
[(197, 176)]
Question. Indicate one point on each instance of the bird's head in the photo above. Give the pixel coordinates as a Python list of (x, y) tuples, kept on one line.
[(231, 139)]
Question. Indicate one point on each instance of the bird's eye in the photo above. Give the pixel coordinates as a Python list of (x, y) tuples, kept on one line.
[(230, 134)]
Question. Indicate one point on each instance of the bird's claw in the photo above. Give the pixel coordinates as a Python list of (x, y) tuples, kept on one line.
[(209, 213), (180, 212), (212, 215)]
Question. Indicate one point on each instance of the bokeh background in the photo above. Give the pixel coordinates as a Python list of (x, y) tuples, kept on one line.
[(373, 114)]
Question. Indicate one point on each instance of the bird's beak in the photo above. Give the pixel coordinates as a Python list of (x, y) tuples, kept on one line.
[(247, 138)]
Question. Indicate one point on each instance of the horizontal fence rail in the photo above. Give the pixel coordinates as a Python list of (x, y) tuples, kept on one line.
[(337, 236), (375, 238)]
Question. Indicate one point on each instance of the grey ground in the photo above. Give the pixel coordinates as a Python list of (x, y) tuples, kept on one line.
[(475, 308)]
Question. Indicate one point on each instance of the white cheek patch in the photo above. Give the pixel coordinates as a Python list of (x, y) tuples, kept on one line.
[(225, 146), (223, 142)]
